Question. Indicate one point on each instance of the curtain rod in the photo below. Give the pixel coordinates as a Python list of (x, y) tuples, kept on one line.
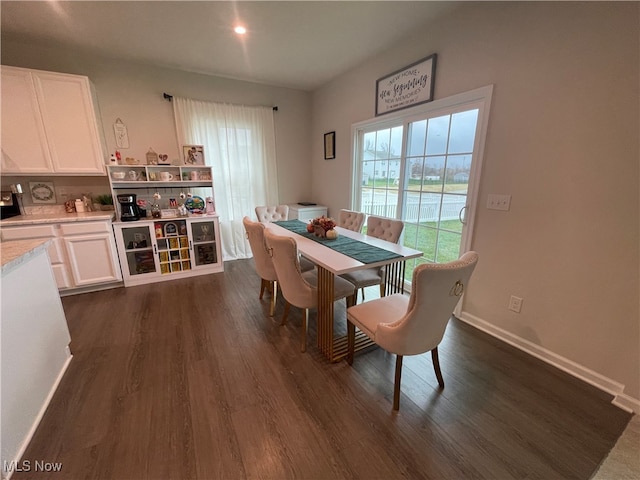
[(170, 97)]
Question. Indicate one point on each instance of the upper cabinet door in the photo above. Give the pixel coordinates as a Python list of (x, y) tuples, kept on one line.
[(24, 142), (69, 120)]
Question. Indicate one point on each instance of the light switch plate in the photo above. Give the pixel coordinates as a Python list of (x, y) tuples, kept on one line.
[(498, 202)]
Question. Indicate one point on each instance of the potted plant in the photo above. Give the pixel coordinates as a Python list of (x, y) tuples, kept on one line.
[(105, 201)]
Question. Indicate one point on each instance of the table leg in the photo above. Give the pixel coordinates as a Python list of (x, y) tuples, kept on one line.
[(394, 278), (335, 348), (325, 311)]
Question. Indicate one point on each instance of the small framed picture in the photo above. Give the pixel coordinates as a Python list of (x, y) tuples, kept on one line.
[(330, 146), (193, 154), (170, 229), (42, 192), (168, 213)]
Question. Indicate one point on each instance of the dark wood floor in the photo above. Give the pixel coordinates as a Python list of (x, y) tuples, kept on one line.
[(192, 379)]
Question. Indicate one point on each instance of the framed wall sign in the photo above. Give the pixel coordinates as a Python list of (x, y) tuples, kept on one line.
[(330, 146), (407, 87), (42, 192)]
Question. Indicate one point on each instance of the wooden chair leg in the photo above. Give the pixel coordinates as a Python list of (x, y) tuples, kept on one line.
[(263, 287), (436, 366), (362, 293), (383, 289), (274, 295), (285, 314), (396, 385), (351, 341), (351, 301), (305, 319)]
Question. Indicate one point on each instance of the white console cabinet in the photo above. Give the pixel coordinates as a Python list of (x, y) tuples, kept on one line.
[(50, 124), (304, 213), (156, 250)]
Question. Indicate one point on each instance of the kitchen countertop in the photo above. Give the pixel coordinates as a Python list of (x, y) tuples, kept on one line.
[(56, 218), (17, 252)]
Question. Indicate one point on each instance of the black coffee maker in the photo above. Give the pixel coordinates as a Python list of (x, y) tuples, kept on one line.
[(128, 207)]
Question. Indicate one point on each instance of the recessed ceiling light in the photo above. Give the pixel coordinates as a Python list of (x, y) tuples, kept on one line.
[(240, 30)]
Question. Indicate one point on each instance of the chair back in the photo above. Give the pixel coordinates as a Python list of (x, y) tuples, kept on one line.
[(388, 229), (351, 220), (272, 213), (284, 255), (261, 257), (435, 291)]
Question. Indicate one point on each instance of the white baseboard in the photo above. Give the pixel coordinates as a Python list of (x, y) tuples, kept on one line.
[(36, 421), (625, 402), (606, 384)]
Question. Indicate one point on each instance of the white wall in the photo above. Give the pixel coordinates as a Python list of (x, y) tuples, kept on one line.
[(133, 93), (563, 141)]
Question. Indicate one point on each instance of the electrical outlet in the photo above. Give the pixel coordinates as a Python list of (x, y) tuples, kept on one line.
[(498, 202), (515, 304)]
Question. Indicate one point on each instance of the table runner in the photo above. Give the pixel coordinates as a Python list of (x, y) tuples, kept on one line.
[(363, 252)]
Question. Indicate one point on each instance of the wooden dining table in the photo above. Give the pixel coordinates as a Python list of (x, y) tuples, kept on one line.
[(329, 263)]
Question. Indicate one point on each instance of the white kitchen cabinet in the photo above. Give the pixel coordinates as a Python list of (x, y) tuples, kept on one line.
[(24, 142), (55, 250), (165, 249), (83, 254), (92, 252), (50, 124)]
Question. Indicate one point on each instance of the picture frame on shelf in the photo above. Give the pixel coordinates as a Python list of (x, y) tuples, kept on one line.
[(193, 154), (330, 145), (169, 213)]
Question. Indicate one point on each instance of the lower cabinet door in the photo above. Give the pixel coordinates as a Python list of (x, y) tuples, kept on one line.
[(92, 259), (204, 240), (137, 256)]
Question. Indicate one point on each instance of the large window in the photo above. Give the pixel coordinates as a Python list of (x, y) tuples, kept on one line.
[(423, 167)]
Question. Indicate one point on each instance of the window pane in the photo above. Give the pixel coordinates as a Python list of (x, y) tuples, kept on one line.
[(433, 177), (458, 170), (421, 238), (437, 133), (463, 131), (396, 142), (383, 140), (451, 206), (369, 142), (448, 246), (367, 173), (416, 138)]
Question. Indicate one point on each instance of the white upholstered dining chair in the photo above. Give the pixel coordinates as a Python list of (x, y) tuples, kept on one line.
[(416, 324), (263, 263), (267, 214), (273, 213), (351, 220), (299, 289), (262, 260), (388, 229)]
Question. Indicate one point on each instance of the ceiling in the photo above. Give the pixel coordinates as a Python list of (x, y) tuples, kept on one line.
[(294, 44)]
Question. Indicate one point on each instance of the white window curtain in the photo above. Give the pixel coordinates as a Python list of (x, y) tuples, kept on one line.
[(239, 143)]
